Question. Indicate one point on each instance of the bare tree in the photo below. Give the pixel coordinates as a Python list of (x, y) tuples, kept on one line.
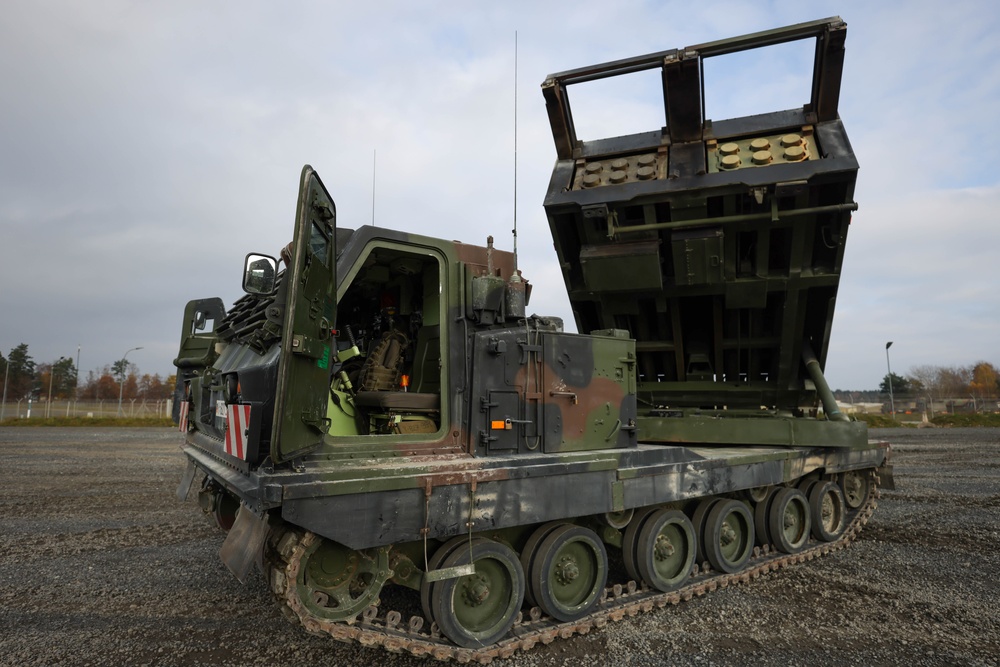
[(953, 381), (927, 377)]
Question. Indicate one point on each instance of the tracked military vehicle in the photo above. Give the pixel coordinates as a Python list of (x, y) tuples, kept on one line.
[(379, 418)]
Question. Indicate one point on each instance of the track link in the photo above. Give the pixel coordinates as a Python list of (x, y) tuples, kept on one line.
[(619, 601)]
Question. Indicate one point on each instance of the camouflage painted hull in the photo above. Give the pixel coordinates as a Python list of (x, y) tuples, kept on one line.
[(380, 409)]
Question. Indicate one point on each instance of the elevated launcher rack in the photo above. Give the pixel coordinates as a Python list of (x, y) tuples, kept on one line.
[(717, 245)]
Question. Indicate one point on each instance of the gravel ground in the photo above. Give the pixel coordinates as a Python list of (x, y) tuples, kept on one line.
[(101, 565)]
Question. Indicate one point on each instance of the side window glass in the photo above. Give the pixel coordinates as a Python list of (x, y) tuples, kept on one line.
[(203, 323), (319, 244)]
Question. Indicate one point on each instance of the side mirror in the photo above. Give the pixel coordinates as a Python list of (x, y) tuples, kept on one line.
[(259, 272)]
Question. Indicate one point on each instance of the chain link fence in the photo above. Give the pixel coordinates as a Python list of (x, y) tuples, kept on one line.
[(43, 409)]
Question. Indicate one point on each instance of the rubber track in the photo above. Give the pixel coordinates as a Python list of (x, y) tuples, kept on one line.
[(618, 602)]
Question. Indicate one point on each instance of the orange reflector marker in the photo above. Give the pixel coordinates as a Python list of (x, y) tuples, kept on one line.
[(499, 425), (404, 382)]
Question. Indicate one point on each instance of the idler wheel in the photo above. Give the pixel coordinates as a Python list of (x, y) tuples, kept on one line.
[(224, 509)]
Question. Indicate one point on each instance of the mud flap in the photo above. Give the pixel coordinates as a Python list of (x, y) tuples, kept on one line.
[(186, 481), (245, 543), (885, 477)]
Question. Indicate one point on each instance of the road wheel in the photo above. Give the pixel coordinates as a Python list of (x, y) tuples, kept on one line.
[(698, 521), (855, 486), (826, 502), (569, 572), (729, 536), (666, 550), (630, 541), (529, 552), (433, 563), (478, 609), (790, 520), (761, 518)]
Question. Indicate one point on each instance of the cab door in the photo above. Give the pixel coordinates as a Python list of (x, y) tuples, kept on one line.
[(304, 369)]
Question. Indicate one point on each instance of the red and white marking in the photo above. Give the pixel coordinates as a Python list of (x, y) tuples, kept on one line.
[(236, 432), (182, 420)]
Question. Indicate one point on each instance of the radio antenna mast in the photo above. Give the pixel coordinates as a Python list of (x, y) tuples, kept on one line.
[(374, 156), (514, 231)]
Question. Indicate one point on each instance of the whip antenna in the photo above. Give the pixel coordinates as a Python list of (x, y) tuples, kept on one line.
[(374, 156), (514, 231)]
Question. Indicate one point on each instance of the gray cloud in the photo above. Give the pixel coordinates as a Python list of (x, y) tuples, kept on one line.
[(145, 148)]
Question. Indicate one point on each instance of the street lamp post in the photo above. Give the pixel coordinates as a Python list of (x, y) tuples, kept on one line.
[(4, 404), (76, 386), (892, 401), (121, 385)]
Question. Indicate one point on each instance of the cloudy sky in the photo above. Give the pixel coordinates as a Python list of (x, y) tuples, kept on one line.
[(145, 148)]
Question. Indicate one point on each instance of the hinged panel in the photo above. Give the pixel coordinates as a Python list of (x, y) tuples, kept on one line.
[(304, 369)]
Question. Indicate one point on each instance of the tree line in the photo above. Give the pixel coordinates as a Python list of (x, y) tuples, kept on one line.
[(24, 378), (975, 386), (980, 380)]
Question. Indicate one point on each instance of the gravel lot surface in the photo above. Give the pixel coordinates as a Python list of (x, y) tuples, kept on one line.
[(101, 565)]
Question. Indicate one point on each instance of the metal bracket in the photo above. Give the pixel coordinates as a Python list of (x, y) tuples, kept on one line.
[(568, 394), (309, 347), (450, 572), (526, 350), (313, 419), (447, 572), (497, 346)]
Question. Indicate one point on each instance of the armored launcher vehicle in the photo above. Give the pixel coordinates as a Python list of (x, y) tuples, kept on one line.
[(379, 419)]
